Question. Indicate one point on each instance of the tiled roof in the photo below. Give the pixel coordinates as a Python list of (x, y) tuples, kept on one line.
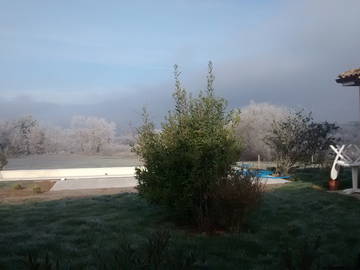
[(350, 73), (350, 77)]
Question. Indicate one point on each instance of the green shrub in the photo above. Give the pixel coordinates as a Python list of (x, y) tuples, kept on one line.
[(36, 189), (185, 162), (18, 187)]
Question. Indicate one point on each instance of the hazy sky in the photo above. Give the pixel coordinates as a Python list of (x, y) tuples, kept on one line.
[(109, 58)]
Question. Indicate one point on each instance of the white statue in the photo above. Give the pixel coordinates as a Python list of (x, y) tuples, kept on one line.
[(347, 156)]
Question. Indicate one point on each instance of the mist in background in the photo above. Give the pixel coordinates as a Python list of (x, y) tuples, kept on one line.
[(110, 58)]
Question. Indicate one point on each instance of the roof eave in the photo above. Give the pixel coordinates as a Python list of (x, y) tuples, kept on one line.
[(349, 81)]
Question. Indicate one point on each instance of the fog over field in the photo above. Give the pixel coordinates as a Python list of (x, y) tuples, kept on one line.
[(110, 59)]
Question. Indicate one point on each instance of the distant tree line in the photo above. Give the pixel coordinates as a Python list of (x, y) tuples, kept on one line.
[(94, 135), (89, 135)]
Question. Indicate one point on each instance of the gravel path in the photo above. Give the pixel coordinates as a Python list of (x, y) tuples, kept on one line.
[(98, 183), (120, 182), (67, 161)]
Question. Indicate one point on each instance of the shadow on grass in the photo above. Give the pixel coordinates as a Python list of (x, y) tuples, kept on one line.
[(72, 228)]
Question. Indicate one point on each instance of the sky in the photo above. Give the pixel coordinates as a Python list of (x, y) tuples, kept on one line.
[(110, 58)]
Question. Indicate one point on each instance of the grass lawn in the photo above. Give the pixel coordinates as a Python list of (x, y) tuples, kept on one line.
[(319, 177), (290, 220)]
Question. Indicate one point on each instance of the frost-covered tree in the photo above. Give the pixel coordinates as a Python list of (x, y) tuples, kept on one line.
[(3, 160), (58, 139), (255, 124), (25, 137), (4, 142), (92, 134), (37, 141), (5, 134)]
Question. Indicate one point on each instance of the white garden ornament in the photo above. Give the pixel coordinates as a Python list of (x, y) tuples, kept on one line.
[(347, 156)]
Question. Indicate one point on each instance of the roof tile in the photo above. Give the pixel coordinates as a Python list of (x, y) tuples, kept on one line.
[(350, 73)]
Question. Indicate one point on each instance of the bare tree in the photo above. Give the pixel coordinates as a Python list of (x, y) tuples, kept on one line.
[(5, 135), (255, 124), (92, 134), (4, 142), (37, 141), (25, 137), (3, 160), (296, 138), (58, 139)]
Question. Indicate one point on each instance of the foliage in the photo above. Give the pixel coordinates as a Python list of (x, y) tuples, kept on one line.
[(255, 125), (36, 189), (18, 187), (185, 162), (298, 139)]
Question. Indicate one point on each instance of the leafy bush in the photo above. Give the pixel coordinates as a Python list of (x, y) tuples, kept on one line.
[(18, 187), (185, 162), (36, 189)]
